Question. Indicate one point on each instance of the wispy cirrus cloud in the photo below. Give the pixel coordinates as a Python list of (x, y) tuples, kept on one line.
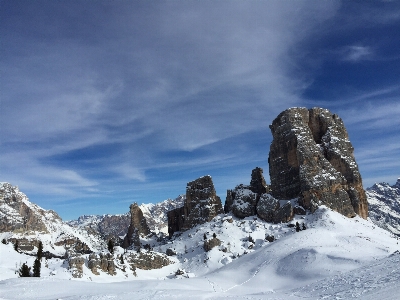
[(120, 96), (356, 53)]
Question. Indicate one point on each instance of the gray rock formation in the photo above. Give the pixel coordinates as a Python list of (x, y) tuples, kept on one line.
[(250, 200), (19, 215), (384, 206), (148, 260), (156, 214), (94, 263), (138, 227), (209, 244), (76, 266), (267, 207), (244, 201), (104, 262), (106, 226), (26, 222), (312, 158), (201, 205), (257, 182)]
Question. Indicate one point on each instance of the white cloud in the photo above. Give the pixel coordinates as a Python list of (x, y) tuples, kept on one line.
[(356, 53)]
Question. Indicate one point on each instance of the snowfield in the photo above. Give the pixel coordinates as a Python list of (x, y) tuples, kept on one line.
[(334, 258)]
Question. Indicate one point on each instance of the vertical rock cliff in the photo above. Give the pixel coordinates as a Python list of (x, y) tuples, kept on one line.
[(138, 227), (312, 158)]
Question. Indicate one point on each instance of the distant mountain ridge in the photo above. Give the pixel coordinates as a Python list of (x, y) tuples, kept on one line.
[(156, 214), (117, 225), (28, 223), (384, 205)]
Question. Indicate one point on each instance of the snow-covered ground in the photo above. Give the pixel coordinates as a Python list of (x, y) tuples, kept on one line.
[(335, 258)]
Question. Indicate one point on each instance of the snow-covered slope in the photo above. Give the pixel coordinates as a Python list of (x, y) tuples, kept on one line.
[(384, 205), (117, 225), (334, 257)]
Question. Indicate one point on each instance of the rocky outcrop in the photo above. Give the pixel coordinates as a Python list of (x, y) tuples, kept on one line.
[(138, 227), (148, 260), (209, 244), (156, 214), (312, 158), (201, 205), (267, 208), (257, 182), (74, 245), (106, 226), (103, 262), (76, 266), (384, 206), (94, 264), (18, 215), (28, 223), (249, 200), (244, 201)]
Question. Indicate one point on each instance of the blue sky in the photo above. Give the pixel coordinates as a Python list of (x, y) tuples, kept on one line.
[(105, 103)]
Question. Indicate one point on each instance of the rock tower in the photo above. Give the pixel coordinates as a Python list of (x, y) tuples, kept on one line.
[(201, 205), (312, 158)]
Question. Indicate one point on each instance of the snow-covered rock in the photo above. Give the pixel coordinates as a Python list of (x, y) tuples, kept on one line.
[(335, 257), (384, 205), (156, 214), (28, 223)]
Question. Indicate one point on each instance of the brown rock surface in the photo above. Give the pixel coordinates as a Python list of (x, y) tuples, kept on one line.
[(148, 260), (311, 157), (137, 228), (201, 205), (209, 244)]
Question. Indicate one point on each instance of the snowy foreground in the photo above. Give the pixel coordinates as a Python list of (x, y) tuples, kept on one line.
[(335, 258)]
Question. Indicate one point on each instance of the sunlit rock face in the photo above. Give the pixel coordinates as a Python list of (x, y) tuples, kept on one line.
[(19, 215), (201, 205), (138, 227), (312, 158)]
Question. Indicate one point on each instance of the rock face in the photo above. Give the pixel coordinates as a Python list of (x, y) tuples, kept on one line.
[(148, 260), (156, 214), (267, 207), (201, 205), (242, 200), (138, 227), (76, 265), (250, 200), (312, 158), (209, 244), (257, 182), (28, 223), (384, 206), (106, 226), (19, 215)]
